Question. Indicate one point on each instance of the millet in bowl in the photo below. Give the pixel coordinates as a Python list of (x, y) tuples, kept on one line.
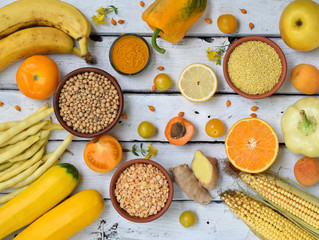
[(254, 67)]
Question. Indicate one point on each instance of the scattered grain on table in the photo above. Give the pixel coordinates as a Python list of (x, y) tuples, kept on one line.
[(153, 88), (113, 22), (251, 25), (253, 115), (120, 21), (181, 114), (142, 3), (254, 67), (228, 103), (18, 108), (161, 68), (1, 104), (151, 108), (124, 116), (243, 11)]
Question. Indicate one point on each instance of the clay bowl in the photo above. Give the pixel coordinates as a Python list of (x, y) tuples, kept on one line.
[(111, 49), (121, 211), (57, 109), (273, 45)]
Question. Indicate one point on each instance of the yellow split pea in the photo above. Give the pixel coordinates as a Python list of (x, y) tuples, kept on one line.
[(254, 67)]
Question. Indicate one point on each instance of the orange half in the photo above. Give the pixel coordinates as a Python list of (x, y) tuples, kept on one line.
[(251, 145)]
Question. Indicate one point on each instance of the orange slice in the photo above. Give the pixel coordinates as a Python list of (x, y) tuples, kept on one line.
[(251, 145)]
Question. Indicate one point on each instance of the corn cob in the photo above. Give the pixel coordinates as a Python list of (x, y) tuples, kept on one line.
[(262, 220), (286, 198)]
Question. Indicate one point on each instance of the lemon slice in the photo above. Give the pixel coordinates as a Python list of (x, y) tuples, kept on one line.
[(197, 82)]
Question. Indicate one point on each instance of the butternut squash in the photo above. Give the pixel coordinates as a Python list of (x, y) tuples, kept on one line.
[(45, 193), (67, 218)]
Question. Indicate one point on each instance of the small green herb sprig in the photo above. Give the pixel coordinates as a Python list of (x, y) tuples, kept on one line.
[(147, 153), (101, 14), (216, 55)]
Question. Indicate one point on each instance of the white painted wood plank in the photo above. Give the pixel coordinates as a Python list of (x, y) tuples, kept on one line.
[(177, 57), (214, 222), (166, 107), (171, 156), (264, 14)]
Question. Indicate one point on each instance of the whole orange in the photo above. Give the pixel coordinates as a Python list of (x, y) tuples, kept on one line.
[(305, 78), (38, 77), (227, 23)]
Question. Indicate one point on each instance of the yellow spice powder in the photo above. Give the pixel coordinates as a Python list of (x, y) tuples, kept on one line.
[(254, 67)]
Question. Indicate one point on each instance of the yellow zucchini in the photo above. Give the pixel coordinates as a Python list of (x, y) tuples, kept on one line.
[(66, 219), (45, 193)]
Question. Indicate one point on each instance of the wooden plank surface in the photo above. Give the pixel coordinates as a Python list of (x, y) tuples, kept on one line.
[(173, 60), (214, 221), (262, 13)]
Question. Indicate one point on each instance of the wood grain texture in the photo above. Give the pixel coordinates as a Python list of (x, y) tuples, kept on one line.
[(176, 58), (166, 106), (264, 15)]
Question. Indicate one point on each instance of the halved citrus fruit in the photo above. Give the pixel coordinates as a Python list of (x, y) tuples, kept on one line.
[(251, 145), (197, 82)]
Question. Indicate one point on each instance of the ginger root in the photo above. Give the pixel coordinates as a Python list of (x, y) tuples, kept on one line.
[(186, 180), (205, 170)]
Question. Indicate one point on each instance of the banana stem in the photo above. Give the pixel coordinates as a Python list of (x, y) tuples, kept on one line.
[(154, 43)]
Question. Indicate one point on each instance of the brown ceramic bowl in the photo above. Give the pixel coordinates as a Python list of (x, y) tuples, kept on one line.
[(121, 211), (273, 45), (57, 95)]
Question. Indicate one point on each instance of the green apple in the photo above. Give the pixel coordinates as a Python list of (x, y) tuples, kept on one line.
[(299, 25)]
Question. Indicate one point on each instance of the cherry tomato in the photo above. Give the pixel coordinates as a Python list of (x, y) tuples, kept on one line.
[(227, 23), (162, 82), (102, 153), (146, 129), (187, 219), (38, 77), (215, 128)]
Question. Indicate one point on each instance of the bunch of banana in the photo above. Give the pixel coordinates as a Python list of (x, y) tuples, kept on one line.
[(63, 21)]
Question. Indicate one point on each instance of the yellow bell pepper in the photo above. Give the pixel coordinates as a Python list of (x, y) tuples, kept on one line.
[(299, 125), (172, 19)]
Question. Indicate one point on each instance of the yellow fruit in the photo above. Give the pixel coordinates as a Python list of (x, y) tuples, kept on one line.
[(299, 24), (227, 23), (197, 82), (305, 78)]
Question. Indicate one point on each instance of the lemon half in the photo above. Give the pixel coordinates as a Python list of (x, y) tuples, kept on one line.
[(197, 82)]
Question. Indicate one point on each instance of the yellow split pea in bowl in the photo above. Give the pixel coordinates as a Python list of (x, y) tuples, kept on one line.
[(130, 54), (255, 67)]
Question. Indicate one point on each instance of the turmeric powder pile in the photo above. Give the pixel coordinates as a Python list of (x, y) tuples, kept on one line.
[(130, 54)]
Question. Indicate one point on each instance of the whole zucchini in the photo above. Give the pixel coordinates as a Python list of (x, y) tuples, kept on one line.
[(45, 193), (67, 218)]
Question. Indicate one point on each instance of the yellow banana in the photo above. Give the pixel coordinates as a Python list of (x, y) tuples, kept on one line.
[(32, 41), (53, 13)]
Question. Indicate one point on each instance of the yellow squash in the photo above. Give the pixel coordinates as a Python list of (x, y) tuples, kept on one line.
[(67, 218), (45, 193)]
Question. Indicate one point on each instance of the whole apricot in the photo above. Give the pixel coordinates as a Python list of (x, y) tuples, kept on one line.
[(305, 78), (227, 23), (307, 171)]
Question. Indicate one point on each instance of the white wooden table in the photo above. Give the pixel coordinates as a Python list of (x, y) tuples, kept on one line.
[(214, 221)]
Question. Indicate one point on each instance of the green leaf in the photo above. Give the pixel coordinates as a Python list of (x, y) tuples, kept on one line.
[(135, 153), (115, 9), (126, 150)]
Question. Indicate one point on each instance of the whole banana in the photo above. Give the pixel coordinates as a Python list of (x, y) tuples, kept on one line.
[(32, 41), (53, 13)]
